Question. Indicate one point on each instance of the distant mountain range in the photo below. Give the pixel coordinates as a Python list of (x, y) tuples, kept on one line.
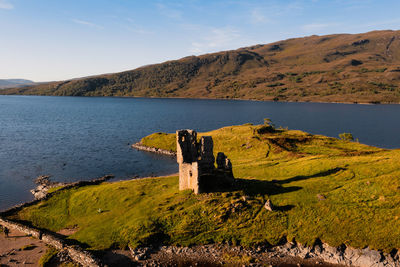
[(363, 68), (10, 83)]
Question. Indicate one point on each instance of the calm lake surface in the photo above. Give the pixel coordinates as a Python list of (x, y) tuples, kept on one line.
[(75, 138)]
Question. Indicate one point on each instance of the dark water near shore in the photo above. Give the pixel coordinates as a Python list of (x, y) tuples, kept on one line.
[(75, 138)]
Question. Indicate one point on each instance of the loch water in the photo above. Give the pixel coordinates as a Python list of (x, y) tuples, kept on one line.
[(76, 138)]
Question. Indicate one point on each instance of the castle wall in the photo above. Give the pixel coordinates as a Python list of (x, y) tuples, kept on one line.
[(196, 163)]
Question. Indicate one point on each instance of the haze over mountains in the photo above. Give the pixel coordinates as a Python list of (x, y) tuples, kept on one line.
[(10, 83), (362, 68)]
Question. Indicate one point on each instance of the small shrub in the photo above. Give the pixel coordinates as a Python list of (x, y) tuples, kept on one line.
[(346, 137), (28, 247), (275, 84), (267, 121), (290, 74), (238, 259), (296, 79), (364, 70), (268, 127), (307, 73), (381, 70)]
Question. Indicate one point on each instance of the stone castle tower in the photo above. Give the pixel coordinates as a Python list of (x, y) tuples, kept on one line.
[(196, 164)]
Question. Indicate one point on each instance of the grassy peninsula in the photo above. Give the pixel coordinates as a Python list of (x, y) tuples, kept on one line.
[(362, 68), (336, 190)]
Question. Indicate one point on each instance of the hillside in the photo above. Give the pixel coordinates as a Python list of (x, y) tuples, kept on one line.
[(10, 83), (318, 184), (363, 68)]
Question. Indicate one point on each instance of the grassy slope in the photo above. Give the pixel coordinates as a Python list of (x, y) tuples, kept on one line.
[(360, 183), (333, 68)]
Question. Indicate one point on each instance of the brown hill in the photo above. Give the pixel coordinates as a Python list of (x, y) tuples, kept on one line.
[(10, 83), (362, 68)]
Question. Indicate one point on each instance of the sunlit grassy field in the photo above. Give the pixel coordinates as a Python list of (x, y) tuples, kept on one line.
[(337, 191)]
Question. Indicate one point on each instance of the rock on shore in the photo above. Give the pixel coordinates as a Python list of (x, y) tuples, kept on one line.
[(44, 184)]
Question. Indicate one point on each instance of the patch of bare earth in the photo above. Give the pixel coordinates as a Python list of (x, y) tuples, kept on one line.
[(18, 249), (68, 231)]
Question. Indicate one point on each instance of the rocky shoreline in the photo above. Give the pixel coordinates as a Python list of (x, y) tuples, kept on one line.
[(142, 147), (220, 255), (44, 185), (287, 254)]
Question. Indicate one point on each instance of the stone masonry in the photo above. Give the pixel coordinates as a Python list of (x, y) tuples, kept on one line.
[(196, 164)]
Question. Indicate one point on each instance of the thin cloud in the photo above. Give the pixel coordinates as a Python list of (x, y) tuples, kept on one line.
[(272, 12), (217, 39), (138, 30), (316, 27), (196, 48), (4, 4), (86, 23), (355, 4), (168, 11), (135, 28), (382, 23), (295, 6), (257, 17)]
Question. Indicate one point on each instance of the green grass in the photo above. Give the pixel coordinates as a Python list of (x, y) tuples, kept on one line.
[(53, 189), (45, 259), (237, 260), (160, 140), (361, 185)]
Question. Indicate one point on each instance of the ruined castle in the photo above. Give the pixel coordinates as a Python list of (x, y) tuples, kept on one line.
[(196, 164)]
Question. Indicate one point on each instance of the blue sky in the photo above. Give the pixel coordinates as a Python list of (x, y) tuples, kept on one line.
[(47, 40)]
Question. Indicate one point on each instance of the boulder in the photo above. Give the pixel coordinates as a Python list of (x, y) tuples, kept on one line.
[(268, 205)]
